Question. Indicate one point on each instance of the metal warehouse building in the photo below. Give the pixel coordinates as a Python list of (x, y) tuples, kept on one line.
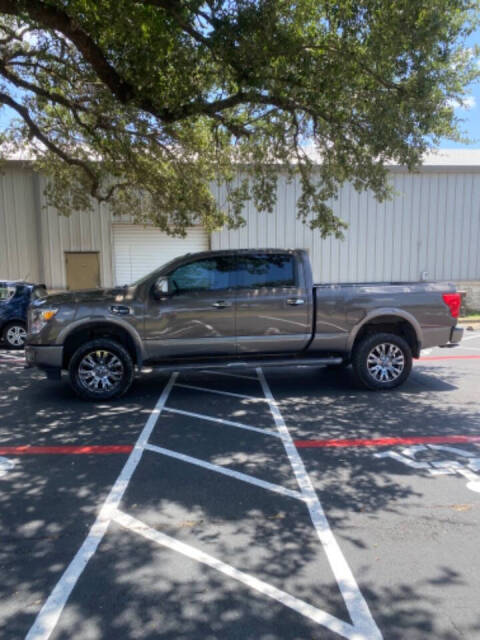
[(431, 229)]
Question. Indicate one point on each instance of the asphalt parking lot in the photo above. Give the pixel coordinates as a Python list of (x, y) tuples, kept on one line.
[(277, 504)]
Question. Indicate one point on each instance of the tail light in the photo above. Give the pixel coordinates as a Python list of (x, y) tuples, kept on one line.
[(453, 302)]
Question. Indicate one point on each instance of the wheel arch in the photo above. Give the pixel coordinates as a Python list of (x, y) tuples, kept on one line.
[(12, 320), (388, 320), (93, 330)]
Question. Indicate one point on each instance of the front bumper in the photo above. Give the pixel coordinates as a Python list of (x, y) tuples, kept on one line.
[(45, 357), (456, 335)]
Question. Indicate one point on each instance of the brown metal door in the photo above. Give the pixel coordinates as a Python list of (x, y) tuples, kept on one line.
[(83, 270)]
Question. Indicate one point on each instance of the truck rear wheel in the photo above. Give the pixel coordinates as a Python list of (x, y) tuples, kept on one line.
[(100, 370), (382, 361)]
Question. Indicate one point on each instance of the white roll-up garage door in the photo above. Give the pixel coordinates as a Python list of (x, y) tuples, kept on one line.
[(138, 250)]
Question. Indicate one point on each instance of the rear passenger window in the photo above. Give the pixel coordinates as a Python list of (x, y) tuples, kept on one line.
[(6, 291), (211, 274), (266, 270)]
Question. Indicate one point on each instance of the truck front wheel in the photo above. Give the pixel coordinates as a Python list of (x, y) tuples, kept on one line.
[(100, 370), (382, 361)]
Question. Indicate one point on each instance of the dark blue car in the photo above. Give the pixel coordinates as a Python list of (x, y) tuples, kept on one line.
[(14, 300)]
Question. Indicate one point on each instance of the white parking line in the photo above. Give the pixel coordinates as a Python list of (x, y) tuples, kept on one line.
[(363, 623), (238, 475), (475, 337), (231, 375), (362, 627), (222, 393), (49, 614), (455, 450), (6, 465), (230, 423), (317, 615)]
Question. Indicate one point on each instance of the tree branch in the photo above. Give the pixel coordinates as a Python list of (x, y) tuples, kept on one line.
[(53, 96), (51, 17), (171, 7), (37, 133)]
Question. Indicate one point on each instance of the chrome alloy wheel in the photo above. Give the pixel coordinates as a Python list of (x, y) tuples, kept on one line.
[(16, 336), (385, 362), (100, 371)]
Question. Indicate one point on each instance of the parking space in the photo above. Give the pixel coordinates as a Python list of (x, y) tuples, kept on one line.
[(271, 504)]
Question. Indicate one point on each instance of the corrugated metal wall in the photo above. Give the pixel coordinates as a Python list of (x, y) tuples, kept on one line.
[(34, 238), (85, 231), (432, 225), (19, 233)]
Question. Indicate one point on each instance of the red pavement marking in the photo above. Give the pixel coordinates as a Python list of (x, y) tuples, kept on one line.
[(450, 358), (27, 450), (385, 442)]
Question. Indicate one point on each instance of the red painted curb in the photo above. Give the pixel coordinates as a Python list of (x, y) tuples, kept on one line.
[(449, 358), (27, 450), (385, 442)]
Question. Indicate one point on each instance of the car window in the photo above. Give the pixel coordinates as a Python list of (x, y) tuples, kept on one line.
[(203, 275), (266, 270), (38, 292), (6, 292)]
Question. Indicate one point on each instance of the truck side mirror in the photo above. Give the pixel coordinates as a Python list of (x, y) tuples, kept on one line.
[(160, 288)]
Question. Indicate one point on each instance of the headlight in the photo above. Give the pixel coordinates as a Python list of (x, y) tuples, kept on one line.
[(39, 319)]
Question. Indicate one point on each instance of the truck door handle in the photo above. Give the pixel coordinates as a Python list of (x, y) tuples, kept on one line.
[(120, 309), (294, 302), (221, 304)]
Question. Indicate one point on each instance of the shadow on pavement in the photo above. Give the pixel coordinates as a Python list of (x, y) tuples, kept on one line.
[(134, 589)]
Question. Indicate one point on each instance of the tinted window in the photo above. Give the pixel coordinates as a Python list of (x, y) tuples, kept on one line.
[(6, 291), (38, 292), (265, 270), (203, 275)]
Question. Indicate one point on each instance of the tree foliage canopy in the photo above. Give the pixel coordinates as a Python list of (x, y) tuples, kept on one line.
[(147, 103)]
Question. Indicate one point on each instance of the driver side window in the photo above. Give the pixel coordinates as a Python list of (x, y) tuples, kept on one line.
[(211, 274)]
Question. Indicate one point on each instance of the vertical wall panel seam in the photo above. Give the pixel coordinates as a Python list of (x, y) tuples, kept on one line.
[(7, 225)]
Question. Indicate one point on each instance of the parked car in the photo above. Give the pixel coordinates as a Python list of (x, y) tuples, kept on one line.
[(14, 300), (236, 309)]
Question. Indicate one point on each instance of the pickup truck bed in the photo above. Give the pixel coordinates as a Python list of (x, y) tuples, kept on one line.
[(344, 311)]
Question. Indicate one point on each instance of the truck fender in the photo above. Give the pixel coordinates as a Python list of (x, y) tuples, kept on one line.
[(92, 321), (385, 311)]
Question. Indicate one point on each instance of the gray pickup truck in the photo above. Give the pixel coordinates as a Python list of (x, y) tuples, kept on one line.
[(236, 309)]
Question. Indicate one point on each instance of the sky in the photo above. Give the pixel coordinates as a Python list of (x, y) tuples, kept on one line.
[(471, 116)]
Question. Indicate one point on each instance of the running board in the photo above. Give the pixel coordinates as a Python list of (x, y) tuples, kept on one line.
[(245, 364)]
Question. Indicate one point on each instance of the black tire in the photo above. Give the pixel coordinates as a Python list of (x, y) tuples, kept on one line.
[(14, 334), (364, 369), (121, 374)]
